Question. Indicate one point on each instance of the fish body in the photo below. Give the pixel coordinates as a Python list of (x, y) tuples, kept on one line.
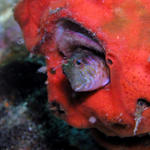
[(86, 71)]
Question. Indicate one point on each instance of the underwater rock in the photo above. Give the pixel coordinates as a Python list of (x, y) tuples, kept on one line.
[(119, 32)]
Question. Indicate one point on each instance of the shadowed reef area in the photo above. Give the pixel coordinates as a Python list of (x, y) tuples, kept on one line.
[(26, 122)]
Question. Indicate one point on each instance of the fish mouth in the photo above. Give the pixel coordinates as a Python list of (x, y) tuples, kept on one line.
[(137, 142)]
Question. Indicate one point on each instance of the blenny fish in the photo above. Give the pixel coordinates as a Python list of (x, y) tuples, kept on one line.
[(86, 71)]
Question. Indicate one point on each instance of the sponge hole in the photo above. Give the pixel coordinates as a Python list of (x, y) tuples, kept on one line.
[(143, 102), (109, 62)]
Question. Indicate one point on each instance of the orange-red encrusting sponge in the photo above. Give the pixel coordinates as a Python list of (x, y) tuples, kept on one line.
[(121, 108)]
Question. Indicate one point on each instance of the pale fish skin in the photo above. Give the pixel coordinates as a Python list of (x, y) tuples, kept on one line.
[(86, 71)]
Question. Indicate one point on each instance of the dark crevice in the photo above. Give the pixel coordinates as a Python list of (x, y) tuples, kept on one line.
[(109, 62), (126, 141), (76, 27), (95, 52), (20, 79), (119, 126), (143, 102)]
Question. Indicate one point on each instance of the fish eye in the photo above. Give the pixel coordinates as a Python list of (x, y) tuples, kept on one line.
[(78, 62)]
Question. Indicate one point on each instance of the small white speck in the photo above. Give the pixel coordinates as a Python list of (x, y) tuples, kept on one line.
[(47, 57), (121, 114), (54, 11), (46, 82), (148, 59), (120, 120), (43, 69), (20, 41), (118, 37), (92, 119), (137, 122), (30, 128), (31, 55), (103, 1)]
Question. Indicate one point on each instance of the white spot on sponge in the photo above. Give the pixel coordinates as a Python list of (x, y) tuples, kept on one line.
[(92, 119)]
